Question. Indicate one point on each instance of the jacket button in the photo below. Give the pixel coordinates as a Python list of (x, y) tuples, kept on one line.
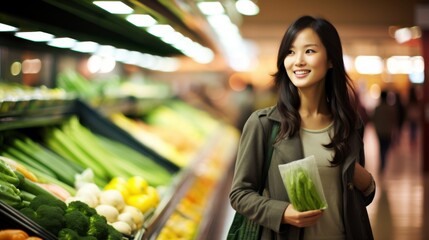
[(350, 186)]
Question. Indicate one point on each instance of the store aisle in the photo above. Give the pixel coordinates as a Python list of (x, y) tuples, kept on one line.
[(400, 209), (401, 206)]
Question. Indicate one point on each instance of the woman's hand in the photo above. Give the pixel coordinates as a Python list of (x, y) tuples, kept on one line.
[(301, 219), (362, 178)]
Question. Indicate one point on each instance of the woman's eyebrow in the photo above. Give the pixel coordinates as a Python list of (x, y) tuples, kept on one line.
[(307, 45)]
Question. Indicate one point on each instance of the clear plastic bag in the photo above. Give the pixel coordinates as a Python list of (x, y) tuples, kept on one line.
[(303, 185)]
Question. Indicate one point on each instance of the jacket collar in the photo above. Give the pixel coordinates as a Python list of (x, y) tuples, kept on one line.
[(273, 113)]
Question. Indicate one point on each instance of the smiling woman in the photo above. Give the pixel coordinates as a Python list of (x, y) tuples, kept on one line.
[(307, 62), (316, 111)]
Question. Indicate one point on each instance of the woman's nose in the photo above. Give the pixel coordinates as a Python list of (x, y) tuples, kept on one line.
[(299, 61)]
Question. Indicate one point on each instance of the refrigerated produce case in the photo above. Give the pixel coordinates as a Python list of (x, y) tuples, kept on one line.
[(22, 114), (208, 166)]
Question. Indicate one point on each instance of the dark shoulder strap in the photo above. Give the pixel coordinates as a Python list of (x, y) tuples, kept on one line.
[(269, 153)]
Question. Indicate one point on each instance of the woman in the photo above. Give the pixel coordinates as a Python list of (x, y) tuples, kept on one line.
[(317, 115)]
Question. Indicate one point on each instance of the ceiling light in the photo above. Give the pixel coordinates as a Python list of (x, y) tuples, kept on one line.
[(141, 20), (399, 64), (403, 35), (115, 7), (160, 30), (64, 42), (7, 28), (86, 47), (369, 64), (106, 51), (121, 55), (211, 8), (247, 7), (35, 36), (417, 71)]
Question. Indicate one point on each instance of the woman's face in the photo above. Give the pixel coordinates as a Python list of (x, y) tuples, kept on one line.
[(307, 62)]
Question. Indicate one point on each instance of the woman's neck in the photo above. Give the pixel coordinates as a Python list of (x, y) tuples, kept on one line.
[(314, 110)]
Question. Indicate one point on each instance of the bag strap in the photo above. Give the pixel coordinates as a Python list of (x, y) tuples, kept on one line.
[(267, 162)]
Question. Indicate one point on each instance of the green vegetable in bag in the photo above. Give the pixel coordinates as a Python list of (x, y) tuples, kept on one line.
[(302, 191)]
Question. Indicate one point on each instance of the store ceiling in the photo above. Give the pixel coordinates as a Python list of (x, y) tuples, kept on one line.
[(84, 21), (363, 25)]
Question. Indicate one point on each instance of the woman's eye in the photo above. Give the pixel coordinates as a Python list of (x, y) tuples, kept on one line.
[(310, 51), (289, 52)]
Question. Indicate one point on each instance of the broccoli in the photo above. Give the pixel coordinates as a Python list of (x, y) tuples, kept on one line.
[(28, 212), (98, 226), (81, 207), (88, 238), (113, 234), (49, 217), (68, 234), (77, 221), (44, 199)]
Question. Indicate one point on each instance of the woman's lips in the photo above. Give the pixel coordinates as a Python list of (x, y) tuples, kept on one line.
[(301, 73)]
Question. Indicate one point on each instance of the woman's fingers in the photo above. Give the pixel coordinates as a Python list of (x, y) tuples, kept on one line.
[(301, 219)]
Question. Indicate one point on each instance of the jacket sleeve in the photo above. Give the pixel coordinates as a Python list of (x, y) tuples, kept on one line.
[(369, 198), (244, 196)]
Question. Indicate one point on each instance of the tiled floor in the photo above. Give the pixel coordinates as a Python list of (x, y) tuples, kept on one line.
[(400, 210)]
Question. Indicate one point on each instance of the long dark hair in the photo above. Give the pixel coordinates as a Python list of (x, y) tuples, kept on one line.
[(340, 93)]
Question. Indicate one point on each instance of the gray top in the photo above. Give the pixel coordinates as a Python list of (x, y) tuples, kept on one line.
[(330, 225)]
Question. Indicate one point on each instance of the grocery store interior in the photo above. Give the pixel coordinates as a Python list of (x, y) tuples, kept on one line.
[(135, 107)]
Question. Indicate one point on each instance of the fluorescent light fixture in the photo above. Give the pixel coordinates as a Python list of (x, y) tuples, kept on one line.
[(398, 64), (141, 20), (100, 64), (211, 8), (160, 30), (169, 65), (369, 64), (134, 58), (86, 47), (7, 28), (417, 64), (417, 73), (37, 36), (403, 35), (114, 7), (417, 77), (106, 50), (121, 54), (64, 42), (247, 7), (172, 38)]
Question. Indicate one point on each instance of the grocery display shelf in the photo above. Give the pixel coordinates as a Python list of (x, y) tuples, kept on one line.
[(13, 219), (30, 113), (95, 119)]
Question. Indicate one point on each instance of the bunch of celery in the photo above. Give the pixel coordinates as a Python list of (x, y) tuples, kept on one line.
[(106, 158)]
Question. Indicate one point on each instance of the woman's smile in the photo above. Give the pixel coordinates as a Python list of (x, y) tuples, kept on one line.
[(301, 73)]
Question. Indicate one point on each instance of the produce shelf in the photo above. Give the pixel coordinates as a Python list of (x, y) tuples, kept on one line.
[(13, 219), (184, 178), (33, 113)]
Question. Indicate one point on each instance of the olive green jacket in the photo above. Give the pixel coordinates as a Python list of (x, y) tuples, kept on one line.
[(267, 210)]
